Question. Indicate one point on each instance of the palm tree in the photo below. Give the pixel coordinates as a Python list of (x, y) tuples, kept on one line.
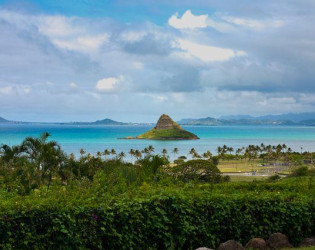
[(164, 152), (46, 155), (230, 150), (219, 150), (98, 154), (238, 152), (224, 149), (9, 153), (121, 155), (192, 152), (113, 151), (151, 149), (175, 151), (82, 152), (284, 146), (207, 154), (106, 153), (146, 151), (196, 155), (138, 154), (132, 153)]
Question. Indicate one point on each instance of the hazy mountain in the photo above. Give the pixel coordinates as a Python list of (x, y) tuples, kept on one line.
[(201, 121), (236, 117), (308, 122), (99, 122), (2, 120), (294, 117), (108, 122), (215, 122)]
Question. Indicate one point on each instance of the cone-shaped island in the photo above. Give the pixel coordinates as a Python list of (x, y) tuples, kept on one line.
[(166, 129)]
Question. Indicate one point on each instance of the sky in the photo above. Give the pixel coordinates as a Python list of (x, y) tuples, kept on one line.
[(131, 61)]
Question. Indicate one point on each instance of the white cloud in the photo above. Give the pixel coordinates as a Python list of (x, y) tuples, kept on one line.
[(5, 90), (15, 89), (191, 21), (206, 53), (220, 22), (161, 98), (73, 85), (188, 21), (254, 24), (133, 35), (83, 43), (53, 26), (109, 84)]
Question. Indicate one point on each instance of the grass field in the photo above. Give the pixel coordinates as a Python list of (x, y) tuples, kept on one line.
[(235, 166), (235, 178)]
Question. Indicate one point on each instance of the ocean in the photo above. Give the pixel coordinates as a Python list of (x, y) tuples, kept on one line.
[(98, 138)]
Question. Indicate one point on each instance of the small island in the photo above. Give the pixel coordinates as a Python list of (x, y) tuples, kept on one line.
[(166, 129)]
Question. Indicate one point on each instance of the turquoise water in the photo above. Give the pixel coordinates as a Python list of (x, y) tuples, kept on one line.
[(97, 138)]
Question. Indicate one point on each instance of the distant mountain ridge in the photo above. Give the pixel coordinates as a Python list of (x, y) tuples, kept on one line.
[(294, 117), (2, 120), (106, 121), (305, 119)]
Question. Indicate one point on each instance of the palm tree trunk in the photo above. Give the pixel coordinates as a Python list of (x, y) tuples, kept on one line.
[(49, 182)]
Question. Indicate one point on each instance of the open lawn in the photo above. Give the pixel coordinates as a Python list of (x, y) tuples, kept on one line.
[(238, 166), (235, 178)]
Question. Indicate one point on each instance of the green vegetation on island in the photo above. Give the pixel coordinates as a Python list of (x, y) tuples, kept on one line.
[(167, 129)]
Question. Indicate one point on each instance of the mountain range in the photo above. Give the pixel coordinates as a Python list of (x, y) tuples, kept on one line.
[(305, 119), (106, 121), (294, 117)]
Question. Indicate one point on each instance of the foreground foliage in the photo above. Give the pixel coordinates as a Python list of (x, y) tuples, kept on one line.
[(156, 216), (49, 200)]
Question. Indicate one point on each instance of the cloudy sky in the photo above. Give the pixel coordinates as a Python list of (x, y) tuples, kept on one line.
[(82, 60)]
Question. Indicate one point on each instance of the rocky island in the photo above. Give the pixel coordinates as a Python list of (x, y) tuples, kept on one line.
[(166, 129)]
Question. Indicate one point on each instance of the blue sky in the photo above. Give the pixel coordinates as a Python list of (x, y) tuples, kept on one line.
[(133, 60)]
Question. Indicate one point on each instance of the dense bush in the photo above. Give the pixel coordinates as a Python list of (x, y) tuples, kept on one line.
[(157, 217), (301, 171), (197, 170)]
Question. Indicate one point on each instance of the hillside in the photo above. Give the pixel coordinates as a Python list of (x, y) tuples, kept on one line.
[(295, 117), (167, 129), (107, 122), (209, 121), (2, 120)]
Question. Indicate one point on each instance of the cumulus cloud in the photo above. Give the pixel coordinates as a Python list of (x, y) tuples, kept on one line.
[(190, 21), (254, 24), (188, 64), (109, 84), (5, 90), (221, 22), (82, 43), (206, 53)]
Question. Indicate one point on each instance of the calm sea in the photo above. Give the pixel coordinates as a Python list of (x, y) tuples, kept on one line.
[(97, 138)]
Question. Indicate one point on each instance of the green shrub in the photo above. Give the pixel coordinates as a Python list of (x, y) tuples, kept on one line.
[(274, 177), (197, 170), (301, 171), (167, 220)]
